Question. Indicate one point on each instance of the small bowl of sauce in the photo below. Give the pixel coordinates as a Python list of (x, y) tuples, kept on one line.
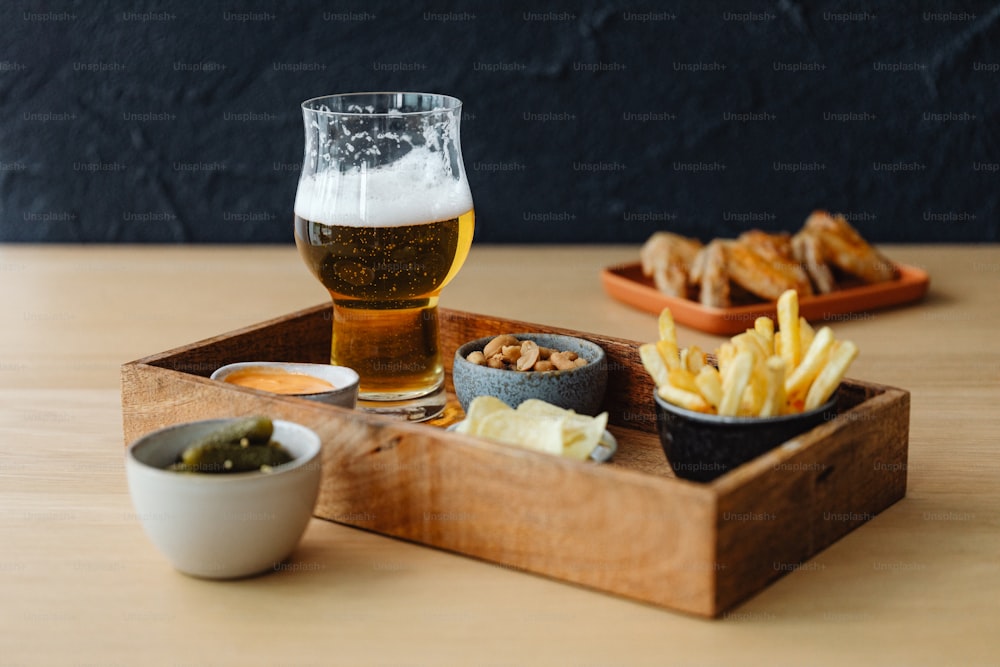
[(333, 385)]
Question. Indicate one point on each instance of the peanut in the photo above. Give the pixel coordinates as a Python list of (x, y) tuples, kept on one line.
[(561, 361), (511, 353), (497, 344), (506, 352), (529, 355)]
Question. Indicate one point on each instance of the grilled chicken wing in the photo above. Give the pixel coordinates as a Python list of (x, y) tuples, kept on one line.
[(808, 250), (761, 264), (844, 248), (713, 262), (765, 265), (668, 258)]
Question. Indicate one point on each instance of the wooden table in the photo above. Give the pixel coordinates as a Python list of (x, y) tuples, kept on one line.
[(81, 584)]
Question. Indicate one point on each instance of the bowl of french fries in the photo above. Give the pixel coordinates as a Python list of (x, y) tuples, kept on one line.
[(565, 371), (761, 388)]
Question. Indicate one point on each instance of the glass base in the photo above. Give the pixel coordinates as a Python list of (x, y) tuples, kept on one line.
[(420, 409)]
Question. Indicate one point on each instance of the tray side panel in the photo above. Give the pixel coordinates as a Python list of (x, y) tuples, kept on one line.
[(303, 336), (798, 499), (602, 527)]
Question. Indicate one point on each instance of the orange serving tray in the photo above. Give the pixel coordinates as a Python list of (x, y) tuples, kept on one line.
[(626, 283)]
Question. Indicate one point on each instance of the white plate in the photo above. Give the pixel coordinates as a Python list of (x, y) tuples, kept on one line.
[(604, 450)]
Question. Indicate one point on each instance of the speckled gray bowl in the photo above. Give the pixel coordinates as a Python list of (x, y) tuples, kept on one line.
[(580, 389)]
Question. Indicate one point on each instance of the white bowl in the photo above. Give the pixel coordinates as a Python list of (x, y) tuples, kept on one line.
[(223, 526), (345, 380)]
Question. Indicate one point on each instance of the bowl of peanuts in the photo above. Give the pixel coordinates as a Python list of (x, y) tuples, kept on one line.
[(562, 370)]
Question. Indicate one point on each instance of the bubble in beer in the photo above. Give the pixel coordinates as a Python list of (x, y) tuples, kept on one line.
[(353, 273)]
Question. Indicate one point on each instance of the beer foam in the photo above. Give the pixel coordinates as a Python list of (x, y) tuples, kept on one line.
[(410, 191)]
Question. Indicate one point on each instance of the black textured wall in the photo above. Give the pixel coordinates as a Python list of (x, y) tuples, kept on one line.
[(584, 121)]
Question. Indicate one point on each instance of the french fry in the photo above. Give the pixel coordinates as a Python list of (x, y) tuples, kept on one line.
[(734, 382), (666, 326), (667, 345), (829, 378), (774, 400), (766, 343), (653, 362), (754, 395), (683, 379), (788, 322), (710, 385), (685, 399), (806, 334), (765, 327), (669, 353), (724, 356), (750, 342), (797, 383), (695, 359), (763, 371)]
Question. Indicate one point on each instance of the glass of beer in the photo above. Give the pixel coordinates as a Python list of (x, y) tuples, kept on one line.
[(384, 219)]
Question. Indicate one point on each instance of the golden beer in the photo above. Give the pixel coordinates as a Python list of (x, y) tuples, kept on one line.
[(385, 281), (384, 219)]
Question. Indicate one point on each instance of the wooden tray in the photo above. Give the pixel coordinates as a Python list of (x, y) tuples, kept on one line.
[(627, 284), (628, 527)]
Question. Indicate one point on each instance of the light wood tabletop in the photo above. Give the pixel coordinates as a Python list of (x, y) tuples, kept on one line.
[(81, 584)]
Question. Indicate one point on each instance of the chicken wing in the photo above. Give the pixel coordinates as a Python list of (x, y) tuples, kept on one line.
[(762, 270), (776, 250), (713, 263), (762, 265), (668, 257), (808, 250), (844, 248)]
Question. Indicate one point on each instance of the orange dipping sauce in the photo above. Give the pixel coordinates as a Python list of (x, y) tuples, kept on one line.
[(278, 381)]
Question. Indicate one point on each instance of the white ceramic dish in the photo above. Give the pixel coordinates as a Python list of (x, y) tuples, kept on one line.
[(345, 380), (223, 526)]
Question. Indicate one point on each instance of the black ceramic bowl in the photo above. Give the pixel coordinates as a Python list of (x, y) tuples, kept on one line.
[(702, 447)]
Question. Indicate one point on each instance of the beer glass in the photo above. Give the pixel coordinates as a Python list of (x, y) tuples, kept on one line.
[(384, 219)]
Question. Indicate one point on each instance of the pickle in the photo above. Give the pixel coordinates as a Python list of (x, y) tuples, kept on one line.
[(255, 430), (234, 457), (238, 446)]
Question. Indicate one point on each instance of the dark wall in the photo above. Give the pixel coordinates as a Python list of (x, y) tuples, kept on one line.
[(587, 122)]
